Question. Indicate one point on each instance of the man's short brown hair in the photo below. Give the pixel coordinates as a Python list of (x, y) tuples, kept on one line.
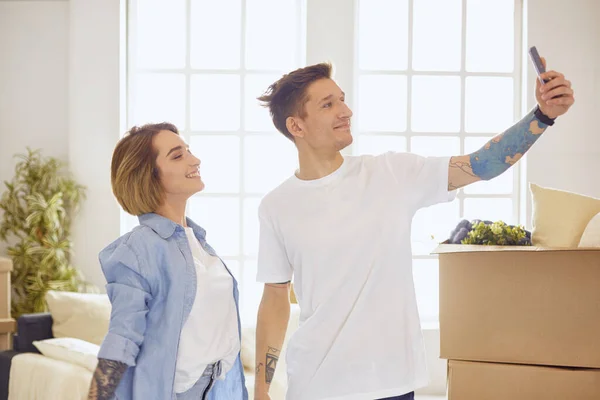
[(134, 175), (287, 96)]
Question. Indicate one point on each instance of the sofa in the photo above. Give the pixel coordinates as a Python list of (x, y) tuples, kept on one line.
[(28, 374), (69, 337)]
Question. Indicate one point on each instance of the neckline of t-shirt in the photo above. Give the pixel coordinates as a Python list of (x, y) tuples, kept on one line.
[(189, 232), (325, 179)]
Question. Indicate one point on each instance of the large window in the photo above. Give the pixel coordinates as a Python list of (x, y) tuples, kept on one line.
[(201, 64), (439, 78), (434, 77)]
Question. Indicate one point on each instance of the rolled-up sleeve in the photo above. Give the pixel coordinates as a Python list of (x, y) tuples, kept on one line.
[(129, 294)]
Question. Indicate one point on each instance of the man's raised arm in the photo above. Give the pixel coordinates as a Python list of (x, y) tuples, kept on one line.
[(499, 154)]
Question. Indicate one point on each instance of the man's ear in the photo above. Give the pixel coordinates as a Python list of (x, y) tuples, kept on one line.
[(293, 125)]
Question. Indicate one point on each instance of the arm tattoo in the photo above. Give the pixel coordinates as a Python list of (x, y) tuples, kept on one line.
[(504, 150), (464, 167), (272, 358), (106, 379)]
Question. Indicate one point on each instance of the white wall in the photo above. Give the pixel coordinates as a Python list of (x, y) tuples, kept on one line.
[(567, 34), (33, 81), (60, 79), (94, 124)]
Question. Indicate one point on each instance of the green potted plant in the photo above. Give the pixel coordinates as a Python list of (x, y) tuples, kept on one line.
[(38, 208)]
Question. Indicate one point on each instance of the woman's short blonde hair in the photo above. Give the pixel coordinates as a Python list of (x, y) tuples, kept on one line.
[(134, 175)]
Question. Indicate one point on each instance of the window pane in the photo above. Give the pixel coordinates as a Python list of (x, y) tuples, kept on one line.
[(427, 282), (163, 47), (221, 219), (432, 225), (383, 21), (272, 41), (490, 36), (437, 49), (489, 104), (382, 103), (378, 144), (435, 146), (268, 161), (257, 116), (502, 184), (215, 102), (436, 104), (220, 162), (489, 209), (251, 294), (251, 226), (158, 98), (215, 34)]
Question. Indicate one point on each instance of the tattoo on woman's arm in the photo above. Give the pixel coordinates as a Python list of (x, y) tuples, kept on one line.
[(106, 378), (271, 363)]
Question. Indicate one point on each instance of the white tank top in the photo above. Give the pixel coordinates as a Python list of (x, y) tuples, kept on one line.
[(210, 333)]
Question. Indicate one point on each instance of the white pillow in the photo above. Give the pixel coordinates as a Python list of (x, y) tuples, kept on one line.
[(84, 316), (559, 216), (71, 350), (591, 234)]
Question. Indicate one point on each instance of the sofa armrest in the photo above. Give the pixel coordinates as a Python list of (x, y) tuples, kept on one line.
[(31, 327)]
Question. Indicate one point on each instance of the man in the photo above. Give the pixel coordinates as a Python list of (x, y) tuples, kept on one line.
[(341, 227)]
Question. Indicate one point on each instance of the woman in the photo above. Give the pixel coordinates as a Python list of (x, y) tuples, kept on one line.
[(174, 330)]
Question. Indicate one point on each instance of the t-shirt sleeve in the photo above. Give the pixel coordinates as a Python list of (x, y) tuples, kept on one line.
[(273, 264), (425, 178)]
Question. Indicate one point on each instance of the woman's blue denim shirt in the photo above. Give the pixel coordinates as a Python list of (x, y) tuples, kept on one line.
[(151, 283)]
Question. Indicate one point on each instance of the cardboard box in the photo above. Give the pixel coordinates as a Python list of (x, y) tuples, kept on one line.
[(492, 381), (6, 267), (7, 324), (522, 305)]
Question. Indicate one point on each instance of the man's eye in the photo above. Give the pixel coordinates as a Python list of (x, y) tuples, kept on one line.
[(327, 105), (176, 157)]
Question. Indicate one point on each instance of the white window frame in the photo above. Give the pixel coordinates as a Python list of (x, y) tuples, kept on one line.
[(127, 221), (519, 100), (329, 34), (335, 23)]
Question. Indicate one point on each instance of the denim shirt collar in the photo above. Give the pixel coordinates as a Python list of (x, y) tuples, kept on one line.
[(165, 228)]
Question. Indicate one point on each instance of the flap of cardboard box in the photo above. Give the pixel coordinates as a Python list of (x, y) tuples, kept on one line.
[(490, 381), (5, 264), (445, 248)]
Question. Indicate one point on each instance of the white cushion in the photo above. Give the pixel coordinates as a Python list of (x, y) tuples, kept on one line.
[(71, 350), (591, 234), (560, 217), (84, 316)]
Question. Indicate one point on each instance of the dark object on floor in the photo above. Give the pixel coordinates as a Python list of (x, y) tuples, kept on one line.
[(30, 327)]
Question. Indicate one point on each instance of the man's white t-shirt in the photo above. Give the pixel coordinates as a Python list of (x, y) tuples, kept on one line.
[(345, 239)]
